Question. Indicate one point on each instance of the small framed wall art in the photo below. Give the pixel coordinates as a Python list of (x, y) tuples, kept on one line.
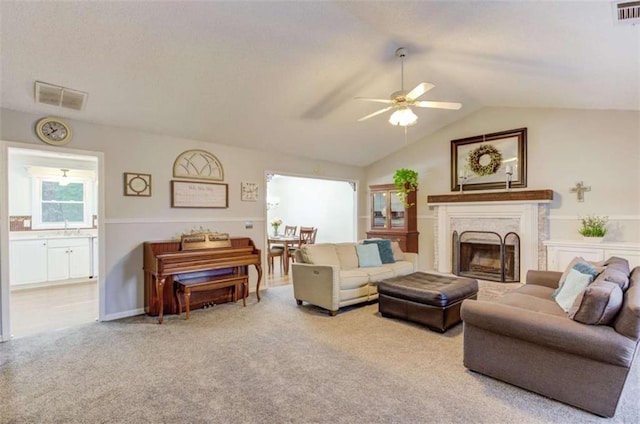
[(136, 184), (249, 192)]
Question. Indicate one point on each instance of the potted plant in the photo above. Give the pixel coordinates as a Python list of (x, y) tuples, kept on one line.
[(406, 181), (593, 227)]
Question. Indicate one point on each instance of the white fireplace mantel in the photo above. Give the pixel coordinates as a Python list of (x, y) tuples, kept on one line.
[(498, 212)]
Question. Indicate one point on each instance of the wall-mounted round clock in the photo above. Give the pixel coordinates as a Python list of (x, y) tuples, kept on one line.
[(53, 131)]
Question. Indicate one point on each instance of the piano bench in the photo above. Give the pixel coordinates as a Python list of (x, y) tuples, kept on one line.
[(190, 285)]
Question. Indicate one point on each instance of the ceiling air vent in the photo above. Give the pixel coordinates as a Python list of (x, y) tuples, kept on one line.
[(626, 12), (59, 96)]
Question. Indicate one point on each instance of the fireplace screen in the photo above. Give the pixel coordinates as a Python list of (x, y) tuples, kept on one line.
[(487, 256)]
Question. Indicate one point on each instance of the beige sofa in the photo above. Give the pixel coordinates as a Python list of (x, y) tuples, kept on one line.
[(526, 339), (327, 275)]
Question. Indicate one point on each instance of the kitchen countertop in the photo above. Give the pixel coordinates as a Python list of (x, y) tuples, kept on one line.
[(56, 234)]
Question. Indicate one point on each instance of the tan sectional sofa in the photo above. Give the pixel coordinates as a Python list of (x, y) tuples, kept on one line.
[(328, 275), (525, 338)]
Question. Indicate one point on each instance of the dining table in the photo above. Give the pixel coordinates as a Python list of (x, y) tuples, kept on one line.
[(287, 242)]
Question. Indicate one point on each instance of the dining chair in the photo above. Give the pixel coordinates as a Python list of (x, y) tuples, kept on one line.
[(290, 230), (273, 251), (306, 237)]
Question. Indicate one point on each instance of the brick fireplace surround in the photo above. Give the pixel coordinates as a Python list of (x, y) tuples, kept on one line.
[(523, 212)]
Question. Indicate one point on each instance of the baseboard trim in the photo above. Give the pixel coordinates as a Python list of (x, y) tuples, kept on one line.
[(124, 314)]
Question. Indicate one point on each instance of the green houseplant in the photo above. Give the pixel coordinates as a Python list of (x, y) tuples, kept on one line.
[(593, 226), (406, 181)]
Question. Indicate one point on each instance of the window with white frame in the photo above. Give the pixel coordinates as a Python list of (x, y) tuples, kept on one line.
[(62, 204)]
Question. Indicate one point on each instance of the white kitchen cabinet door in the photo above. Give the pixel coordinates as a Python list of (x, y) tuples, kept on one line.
[(58, 263), (69, 258), (28, 261), (80, 260)]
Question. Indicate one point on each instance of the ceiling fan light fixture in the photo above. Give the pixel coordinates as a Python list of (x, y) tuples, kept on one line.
[(403, 117), (402, 101)]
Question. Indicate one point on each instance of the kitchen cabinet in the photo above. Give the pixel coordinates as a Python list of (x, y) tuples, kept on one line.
[(69, 258), (390, 219), (28, 261)]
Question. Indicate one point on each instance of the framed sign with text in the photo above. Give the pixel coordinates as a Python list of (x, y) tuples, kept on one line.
[(188, 194)]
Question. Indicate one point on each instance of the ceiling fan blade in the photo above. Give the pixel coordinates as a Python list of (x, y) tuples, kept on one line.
[(375, 113), (438, 105), (420, 89), (387, 101)]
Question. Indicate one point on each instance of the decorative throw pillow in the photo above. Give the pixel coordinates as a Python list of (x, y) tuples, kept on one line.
[(615, 276), (398, 254), (580, 265), (566, 271), (598, 304), (368, 255), (617, 271), (586, 268), (573, 285), (384, 248)]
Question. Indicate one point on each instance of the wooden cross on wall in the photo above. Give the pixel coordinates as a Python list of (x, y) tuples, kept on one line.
[(580, 189)]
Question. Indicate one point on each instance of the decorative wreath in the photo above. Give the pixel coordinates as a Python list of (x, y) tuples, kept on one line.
[(494, 163)]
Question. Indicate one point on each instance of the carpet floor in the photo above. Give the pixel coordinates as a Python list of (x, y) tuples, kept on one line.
[(268, 362)]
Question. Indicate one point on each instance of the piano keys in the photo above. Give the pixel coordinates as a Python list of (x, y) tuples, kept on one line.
[(165, 261)]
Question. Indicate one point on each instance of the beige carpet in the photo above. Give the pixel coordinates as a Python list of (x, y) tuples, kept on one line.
[(271, 362)]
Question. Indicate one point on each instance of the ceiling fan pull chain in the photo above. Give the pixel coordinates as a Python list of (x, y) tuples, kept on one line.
[(402, 73)]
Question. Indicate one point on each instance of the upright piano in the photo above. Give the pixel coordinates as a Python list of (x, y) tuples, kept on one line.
[(200, 254)]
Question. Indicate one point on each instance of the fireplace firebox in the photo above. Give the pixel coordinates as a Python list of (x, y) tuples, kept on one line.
[(486, 255)]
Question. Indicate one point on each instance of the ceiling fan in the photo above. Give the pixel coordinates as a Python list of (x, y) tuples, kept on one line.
[(402, 101)]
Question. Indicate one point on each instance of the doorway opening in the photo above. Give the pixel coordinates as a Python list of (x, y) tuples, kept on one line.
[(330, 206), (53, 244)]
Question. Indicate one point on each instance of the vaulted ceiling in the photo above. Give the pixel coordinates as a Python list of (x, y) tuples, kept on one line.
[(283, 76)]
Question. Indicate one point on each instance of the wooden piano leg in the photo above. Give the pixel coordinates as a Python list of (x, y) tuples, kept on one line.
[(245, 291), (179, 301), (259, 269), (160, 293), (235, 292), (187, 300)]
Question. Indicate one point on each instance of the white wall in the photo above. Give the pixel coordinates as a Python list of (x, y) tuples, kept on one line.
[(601, 148), (310, 202), (131, 220)]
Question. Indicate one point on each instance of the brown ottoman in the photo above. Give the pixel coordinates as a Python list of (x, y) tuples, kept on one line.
[(429, 299)]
